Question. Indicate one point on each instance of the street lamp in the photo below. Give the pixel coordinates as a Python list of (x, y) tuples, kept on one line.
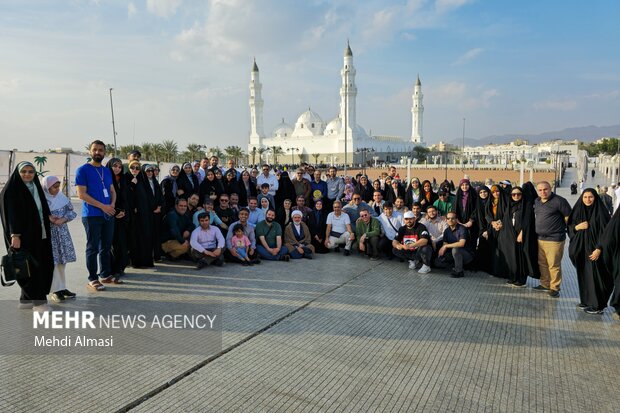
[(292, 150), (364, 151), (113, 127)]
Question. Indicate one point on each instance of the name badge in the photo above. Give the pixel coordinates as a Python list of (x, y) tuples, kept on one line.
[(105, 193)]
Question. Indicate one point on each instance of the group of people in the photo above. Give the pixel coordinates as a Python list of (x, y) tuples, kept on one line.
[(209, 214)]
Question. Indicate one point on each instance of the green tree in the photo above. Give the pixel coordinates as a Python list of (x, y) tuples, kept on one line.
[(41, 161), (276, 151), (234, 152), (216, 151), (316, 157), (123, 151), (420, 153), (147, 151), (170, 150), (195, 151), (261, 151)]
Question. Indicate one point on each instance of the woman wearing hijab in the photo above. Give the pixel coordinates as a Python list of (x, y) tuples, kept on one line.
[(211, 188), (349, 189), (465, 204), (283, 214), (156, 203), (119, 256), (61, 212), (586, 225), (187, 182), (170, 188), (285, 190), (25, 219), (297, 238), (318, 225), (611, 258), (364, 189), (530, 239), (230, 184), (394, 191), (496, 233), (412, 194), (140, 219), (483, 251), (376, 186), (427, 196), (518, 220), (247, 189)]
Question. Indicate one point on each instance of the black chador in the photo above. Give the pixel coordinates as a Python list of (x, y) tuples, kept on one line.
[(140, 222), (595, 281)]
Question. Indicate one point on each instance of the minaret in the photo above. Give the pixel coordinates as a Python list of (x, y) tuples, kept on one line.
[(256, 109), (348, 92), (417, 110)]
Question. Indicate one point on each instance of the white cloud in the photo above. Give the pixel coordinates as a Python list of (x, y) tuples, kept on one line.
[(557, 104), (468, 56), (451, 91), (163, 8), (131, 10), (8, 86)]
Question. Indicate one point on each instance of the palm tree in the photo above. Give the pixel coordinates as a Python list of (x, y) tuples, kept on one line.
[(254, 155), (123, 151), (301, 157), (195, 151), (316, 157), (276, 151), (147, 151), (216, 151), (261, 151), (41, 161), (234, 152), (170, 150), (158, 152)]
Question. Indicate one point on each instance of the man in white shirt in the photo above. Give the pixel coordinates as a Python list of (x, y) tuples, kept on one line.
[(390, 223), (266, 177), (339, 230), (207, 243), (256, 214), (435, 224)]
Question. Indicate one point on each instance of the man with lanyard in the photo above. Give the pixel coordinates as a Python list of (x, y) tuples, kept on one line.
[(456, 239), (412, 244), (94, 186), (390, 223)]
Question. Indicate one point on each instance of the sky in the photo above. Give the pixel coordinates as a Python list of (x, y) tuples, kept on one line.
[(180, 69)]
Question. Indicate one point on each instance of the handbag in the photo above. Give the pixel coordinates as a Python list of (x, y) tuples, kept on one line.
[(16, 266)]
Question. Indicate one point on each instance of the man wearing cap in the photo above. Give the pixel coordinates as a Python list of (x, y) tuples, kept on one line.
[(412, 243), (206, 243)]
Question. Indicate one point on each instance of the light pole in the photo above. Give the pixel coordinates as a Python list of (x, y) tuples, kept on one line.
[(113, 127), (364, 151), (346, 124), (463, 148), (293, 149)]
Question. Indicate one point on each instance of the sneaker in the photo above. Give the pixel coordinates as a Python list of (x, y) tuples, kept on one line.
[(347, 252), (540, 288), (424, 270), (25, 305), (518, 285), (592, 310), (411, 265), (57, 296), (455, 274), (510, 282), (68, 294), (374, 258), (582, 306), (201, 264), (554, 293), (416, 263)]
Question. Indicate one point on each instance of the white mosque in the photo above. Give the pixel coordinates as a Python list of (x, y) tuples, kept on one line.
[(313, 140)]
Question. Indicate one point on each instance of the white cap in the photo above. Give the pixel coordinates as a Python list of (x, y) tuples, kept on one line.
[(408, 214)]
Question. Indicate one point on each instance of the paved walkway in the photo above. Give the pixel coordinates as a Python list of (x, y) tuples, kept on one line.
[(340, 335)]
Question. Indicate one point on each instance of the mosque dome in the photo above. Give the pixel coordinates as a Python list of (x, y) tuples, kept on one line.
[(334, 126), (282, 130), (309, 123)]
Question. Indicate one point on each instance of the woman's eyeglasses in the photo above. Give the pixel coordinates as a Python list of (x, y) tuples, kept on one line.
[(134, 168)]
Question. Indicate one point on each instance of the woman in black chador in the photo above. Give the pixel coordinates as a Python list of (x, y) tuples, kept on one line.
[(318, 226), (586, 224), (119, 256), (611, 257), (529, 238), (25, 219), (187, 182), (519, 223), (155, 198), (499, 237), (465, 204), (140, 218), (483, 251)]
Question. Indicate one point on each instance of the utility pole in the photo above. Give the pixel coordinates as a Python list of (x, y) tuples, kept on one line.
[(113, 127)]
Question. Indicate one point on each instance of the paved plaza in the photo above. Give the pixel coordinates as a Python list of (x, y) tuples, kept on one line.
[(335, 334)]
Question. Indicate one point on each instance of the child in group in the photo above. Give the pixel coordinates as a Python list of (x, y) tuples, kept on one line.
[(264, 193), (61, 212), (241, 243)]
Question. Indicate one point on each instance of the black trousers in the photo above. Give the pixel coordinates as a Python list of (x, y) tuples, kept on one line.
[(371, 244), (455, 257), (424, 254)]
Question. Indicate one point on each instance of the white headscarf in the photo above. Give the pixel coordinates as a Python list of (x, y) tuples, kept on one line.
[(54, 202)]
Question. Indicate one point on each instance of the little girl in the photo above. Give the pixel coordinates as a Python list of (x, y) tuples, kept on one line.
[(61, 212), (242, 244)]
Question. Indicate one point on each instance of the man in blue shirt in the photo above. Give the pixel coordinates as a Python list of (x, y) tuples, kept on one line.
[(95, 188)]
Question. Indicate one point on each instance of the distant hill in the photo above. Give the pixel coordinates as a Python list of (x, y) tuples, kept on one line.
[(583, 133)]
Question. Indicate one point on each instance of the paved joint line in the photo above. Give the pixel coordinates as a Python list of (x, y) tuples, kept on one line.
[(204, 363)]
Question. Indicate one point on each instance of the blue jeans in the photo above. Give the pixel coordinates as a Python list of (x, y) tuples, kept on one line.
[(297, 255), (99, 235), (266, 255)]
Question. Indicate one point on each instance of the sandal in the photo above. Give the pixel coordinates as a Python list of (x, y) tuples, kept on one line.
[(117, 281), (107, 280), (95, 286)]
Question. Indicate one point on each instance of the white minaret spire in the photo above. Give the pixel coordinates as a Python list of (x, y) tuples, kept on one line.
[(348, 92), (417, 110), (256, 108)]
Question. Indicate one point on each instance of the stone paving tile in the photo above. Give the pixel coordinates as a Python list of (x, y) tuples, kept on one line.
[(392, 340)]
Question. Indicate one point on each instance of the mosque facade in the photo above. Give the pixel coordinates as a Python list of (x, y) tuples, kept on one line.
[(313, 140)]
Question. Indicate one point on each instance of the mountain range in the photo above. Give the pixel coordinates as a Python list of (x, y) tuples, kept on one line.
[(582, 133)]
